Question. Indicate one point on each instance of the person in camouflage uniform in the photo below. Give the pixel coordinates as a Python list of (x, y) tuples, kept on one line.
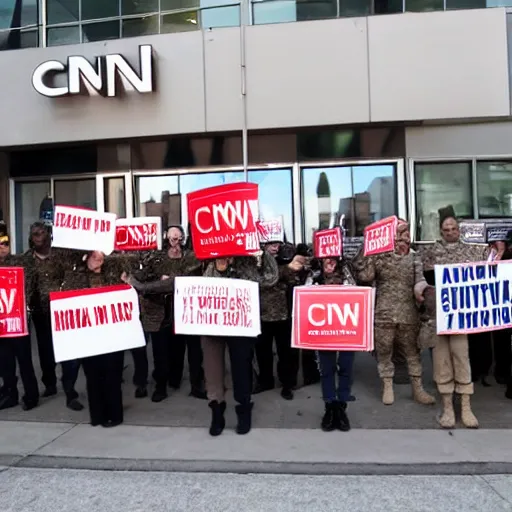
[(46, 267), (241, 349), (452, 370), (399, 280), (157, 318), (276, 324)]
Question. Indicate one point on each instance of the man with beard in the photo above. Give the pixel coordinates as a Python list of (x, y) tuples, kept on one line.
[(47, 267)]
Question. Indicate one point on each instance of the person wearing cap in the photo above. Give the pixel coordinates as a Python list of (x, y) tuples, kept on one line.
[(17, 349), (399, 283), (450, 354), (47, 267)]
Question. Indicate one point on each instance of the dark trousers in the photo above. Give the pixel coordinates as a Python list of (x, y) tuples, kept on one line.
[(140, 366), (192, 345), (481, 353), (502, 353), (287, 357), (104, 375), (241, 352), (309, 367), (161, 341), (43, 326), (20, 350), (332, 363)]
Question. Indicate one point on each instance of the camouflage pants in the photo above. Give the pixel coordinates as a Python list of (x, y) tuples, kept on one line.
[(404, 337)]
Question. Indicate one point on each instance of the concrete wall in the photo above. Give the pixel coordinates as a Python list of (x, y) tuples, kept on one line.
[(402, 67)]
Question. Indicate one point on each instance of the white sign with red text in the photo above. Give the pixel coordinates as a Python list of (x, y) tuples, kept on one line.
[(328, 243), (380, 236), (212, 306), (271, 231), (83, 229), (95, 321), (139, 234), (223, 220)]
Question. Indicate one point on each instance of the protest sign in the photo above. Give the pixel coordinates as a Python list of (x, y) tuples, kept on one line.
[(328, 243), (216, 307), (379, 237), (498, 231), (271, 231), (95, 321), (351, 246), (83, 229), (333, 317), (473, 297), (223, 220), (472, 232), (139, 234), (13, 309)]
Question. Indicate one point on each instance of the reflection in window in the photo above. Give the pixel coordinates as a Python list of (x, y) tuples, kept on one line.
[(218, 17), (100, 31), (387, 6), (424, 5), (494, 187), (466, 4), (273, 11), (98, 9), (179, 22), (363, 194), (114, 196), (175, 5), (140, 26), (138, 6), (355, 7), (439, 185), (28, 198), (62, 11), (63, 35), (158, 196), (81, 193)]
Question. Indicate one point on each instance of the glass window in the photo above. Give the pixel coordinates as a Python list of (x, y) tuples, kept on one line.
[(355, 7), (6, 14), (179, 22), (140, 26), (80, 193), (438, 185), (28, 198), (29, 12), (317, 9), (466, 4), (494, 187), (158, 196), (387, 6), (63, 35), (217, 17), (138, 6), (270, 11), (98, 9), (29, 38), (115, 198), (62, 11), (100, 31), (175, 5), (363, 194), (424, 5)]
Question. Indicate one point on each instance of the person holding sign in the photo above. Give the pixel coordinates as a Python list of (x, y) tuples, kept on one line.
[(398, 278), (103, 373), (452, 370)]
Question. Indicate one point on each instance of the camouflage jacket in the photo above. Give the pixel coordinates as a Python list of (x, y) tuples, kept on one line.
[(156, 308), (274, 300), (394, 278), (80, 277)]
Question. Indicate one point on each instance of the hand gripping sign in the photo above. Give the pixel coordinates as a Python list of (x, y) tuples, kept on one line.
[(271, 231), (139, 234), (328, 243), (13, 310), (223, 220), (380, 236), (83, 229), (95, 321), (331, 317)]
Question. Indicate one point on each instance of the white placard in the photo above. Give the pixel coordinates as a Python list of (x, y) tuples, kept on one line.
[(271, 230), (95, 321), (83, 229), (212, 306)]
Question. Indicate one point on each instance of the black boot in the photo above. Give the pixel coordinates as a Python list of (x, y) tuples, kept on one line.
[(218, 421), (329, 419), (508, 392), (342, 422), (244, 415), (9, 399)]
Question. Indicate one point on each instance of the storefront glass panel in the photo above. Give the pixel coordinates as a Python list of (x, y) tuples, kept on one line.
[(114, 195), (76, 192), (494, 186)]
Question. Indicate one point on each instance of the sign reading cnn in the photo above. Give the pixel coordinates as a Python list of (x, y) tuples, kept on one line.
[(333, 318), (380, 236), (223, 220), (328, 243), (139, 234)]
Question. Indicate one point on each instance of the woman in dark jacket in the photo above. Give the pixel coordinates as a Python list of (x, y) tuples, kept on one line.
[(103, 373)]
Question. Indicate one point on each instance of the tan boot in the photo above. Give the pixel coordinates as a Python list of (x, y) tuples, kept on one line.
[(419, 394), (388, 396), (468, 418), (447, 420)]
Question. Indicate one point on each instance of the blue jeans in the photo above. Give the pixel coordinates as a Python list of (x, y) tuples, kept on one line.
[(331, 363)]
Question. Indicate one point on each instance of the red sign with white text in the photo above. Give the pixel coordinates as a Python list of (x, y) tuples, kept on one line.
[(379, 237), (223, 220), (13, 309), (139, 234), (328, 243), (271, 231), (332, 317)]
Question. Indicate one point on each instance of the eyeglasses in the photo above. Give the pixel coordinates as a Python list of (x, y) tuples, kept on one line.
[(176, 239), (4, 244)]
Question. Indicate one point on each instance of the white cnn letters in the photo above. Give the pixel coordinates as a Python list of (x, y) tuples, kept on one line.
[(225, 214), (104, 78), (320, 315)]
